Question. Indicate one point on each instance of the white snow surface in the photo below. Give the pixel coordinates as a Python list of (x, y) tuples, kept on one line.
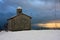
[(31, 35)]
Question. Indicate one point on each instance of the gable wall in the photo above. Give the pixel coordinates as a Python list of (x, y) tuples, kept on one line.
[(19, 23)]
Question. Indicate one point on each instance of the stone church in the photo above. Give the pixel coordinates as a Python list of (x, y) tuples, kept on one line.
[(19, 22)]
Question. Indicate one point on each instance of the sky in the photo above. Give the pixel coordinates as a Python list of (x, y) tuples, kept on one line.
[(41, 11)]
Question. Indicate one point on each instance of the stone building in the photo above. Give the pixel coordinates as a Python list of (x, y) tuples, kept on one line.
[(19, 22)]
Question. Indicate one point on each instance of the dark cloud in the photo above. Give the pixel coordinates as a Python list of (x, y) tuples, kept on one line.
[(40, 10)]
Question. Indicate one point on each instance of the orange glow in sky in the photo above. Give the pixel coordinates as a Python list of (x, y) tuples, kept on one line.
[(52, 24)]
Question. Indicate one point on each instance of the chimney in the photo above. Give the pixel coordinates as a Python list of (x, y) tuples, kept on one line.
[(19, 10)]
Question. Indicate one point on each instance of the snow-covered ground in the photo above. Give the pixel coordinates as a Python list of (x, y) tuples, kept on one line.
[(31, 35)]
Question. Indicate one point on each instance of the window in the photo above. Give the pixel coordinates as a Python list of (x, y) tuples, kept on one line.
[(14, 23)]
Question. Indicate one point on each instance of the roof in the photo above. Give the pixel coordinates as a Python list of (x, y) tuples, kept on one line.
[(19, 8), (18, 15)]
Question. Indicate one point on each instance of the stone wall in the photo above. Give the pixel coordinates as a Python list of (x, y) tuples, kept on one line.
[(20, 22)]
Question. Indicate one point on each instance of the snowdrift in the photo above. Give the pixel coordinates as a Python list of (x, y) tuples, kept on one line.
[(31, 35)]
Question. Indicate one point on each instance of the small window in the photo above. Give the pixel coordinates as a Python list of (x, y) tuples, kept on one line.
[(14, 23)]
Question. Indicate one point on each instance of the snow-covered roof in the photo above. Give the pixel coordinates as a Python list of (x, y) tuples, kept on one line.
[(19, 8)]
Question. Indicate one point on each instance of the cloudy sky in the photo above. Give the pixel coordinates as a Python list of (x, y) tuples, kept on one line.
[(40, 10)]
